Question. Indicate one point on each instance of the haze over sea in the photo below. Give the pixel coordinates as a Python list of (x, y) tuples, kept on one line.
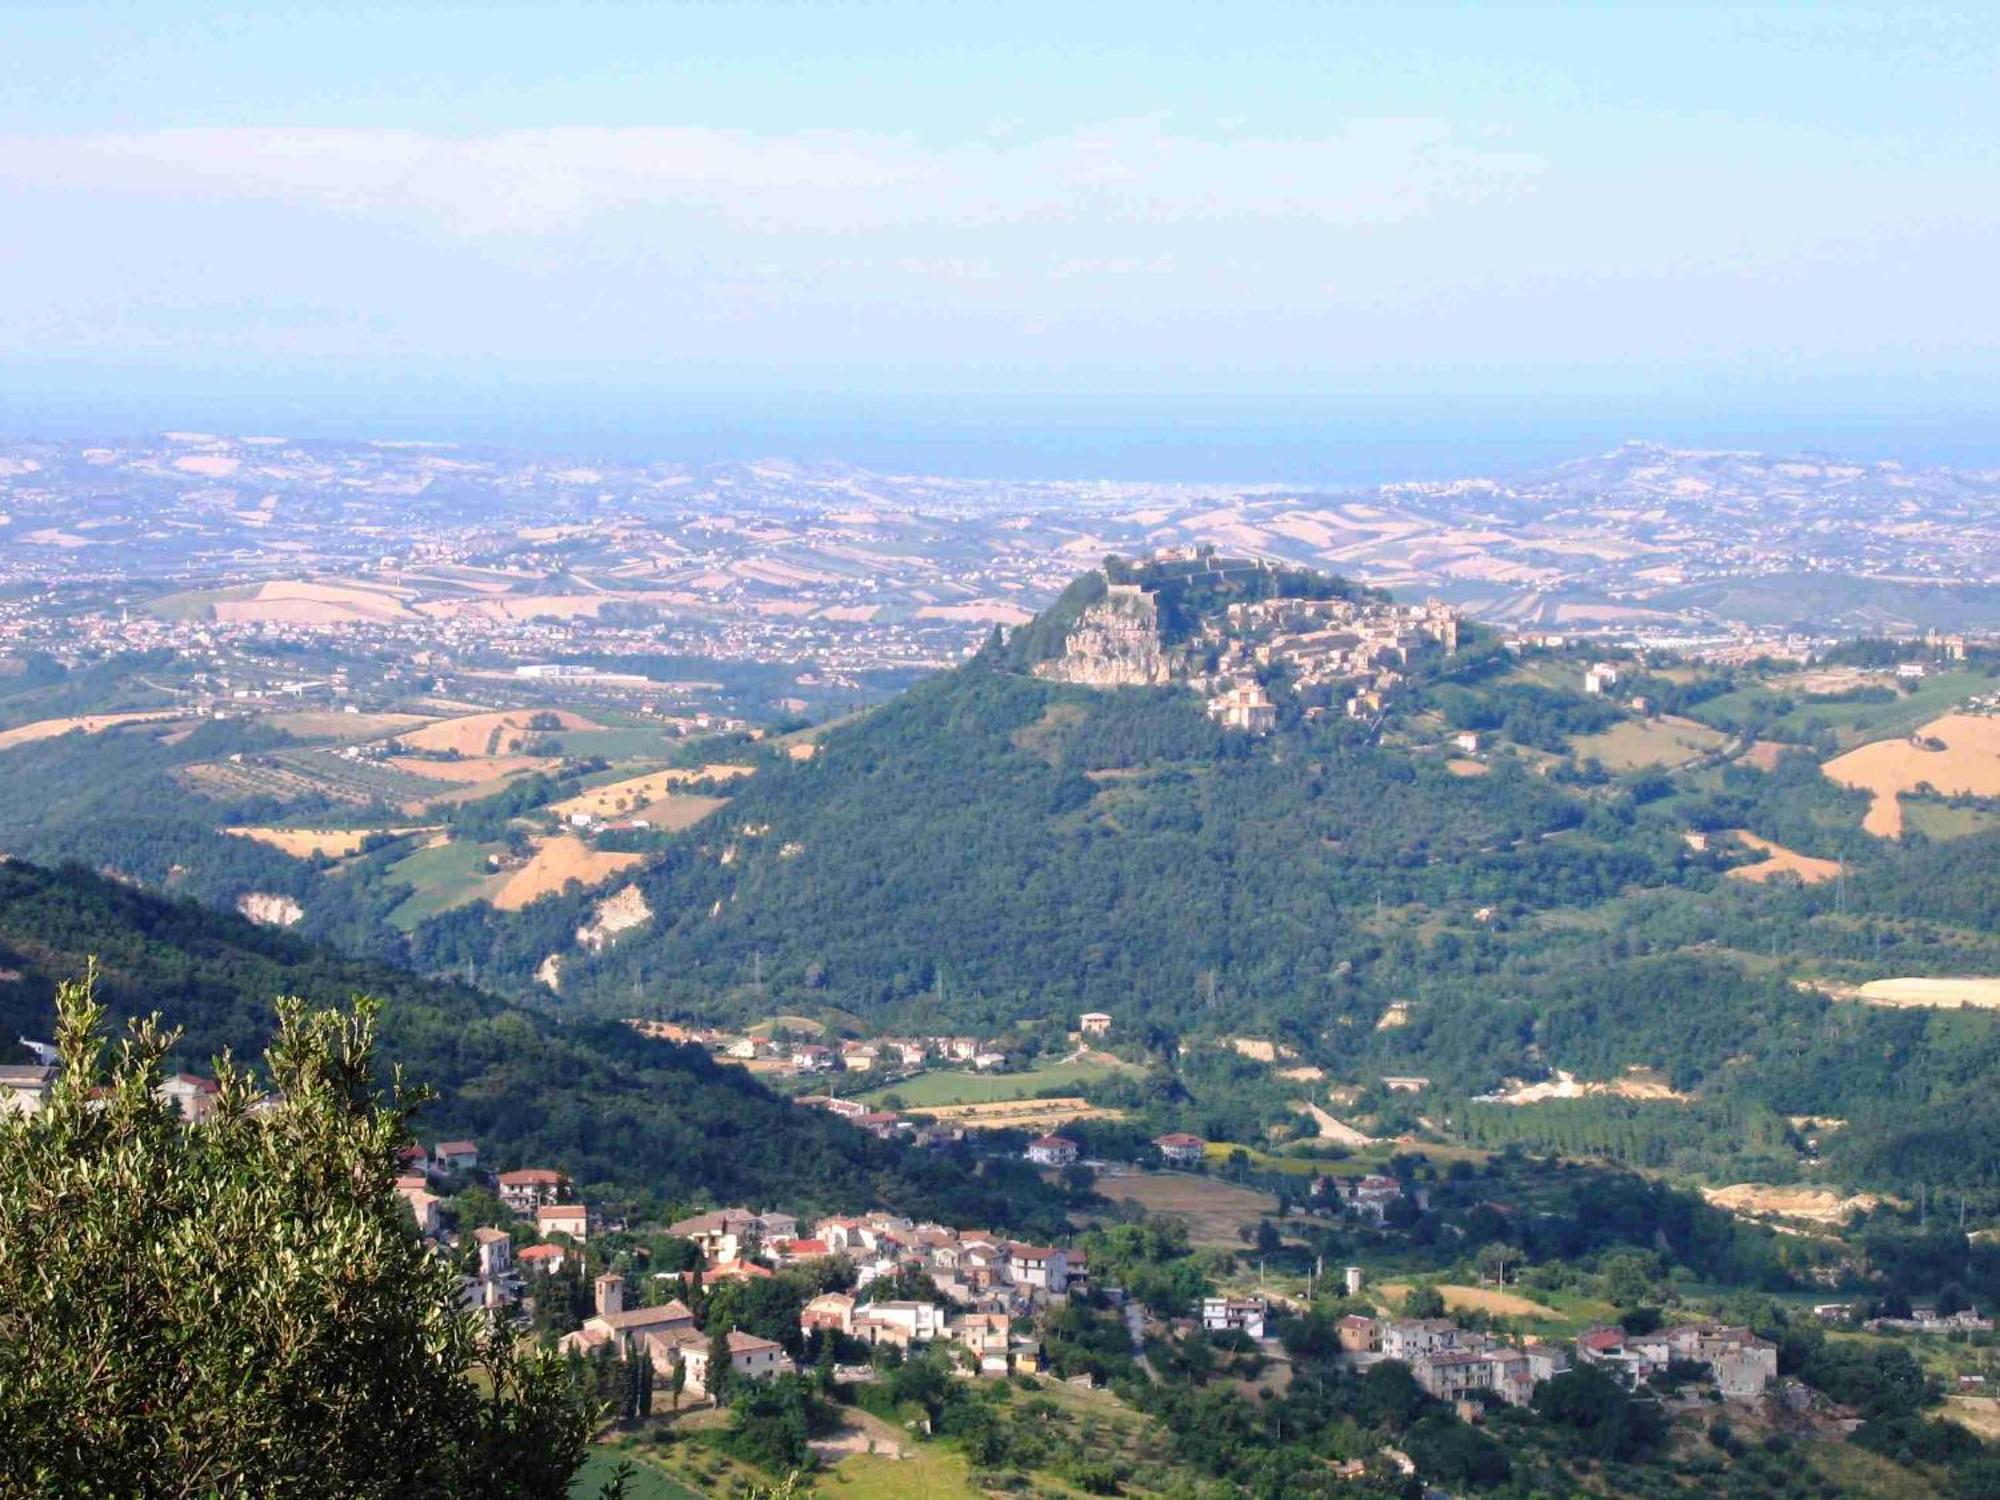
[(1167, 439)]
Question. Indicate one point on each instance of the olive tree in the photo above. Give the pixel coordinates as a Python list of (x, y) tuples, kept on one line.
[(242, 1306)]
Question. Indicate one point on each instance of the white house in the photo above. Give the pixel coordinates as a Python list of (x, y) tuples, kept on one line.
[(1043, 1267), (572, 1219), (526, 1190), (1179, 1149), (1241, 1314), (1052, 1151)]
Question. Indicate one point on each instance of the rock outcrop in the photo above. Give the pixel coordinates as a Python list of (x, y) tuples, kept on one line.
[(616, 913), (1115, 643), (267, 910)]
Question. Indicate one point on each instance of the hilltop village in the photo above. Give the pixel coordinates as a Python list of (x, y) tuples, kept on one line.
[(1234, 629)]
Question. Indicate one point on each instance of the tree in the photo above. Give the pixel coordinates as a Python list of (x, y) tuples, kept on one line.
[(1424, 1302), (242, 1306), (719, 1367), (677, 1381)]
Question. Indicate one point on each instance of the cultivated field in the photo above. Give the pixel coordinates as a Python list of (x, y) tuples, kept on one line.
[(491, 734), (1650, 742), (298, 603), (557, 861), (1019, 1114), (302, 843), (471, 771), (1969, 765), (48, 729), (313, 724), (1778, 860), (442, 876), (639, 796), (1213, 1210), (1486, 1299), (943, 1087)]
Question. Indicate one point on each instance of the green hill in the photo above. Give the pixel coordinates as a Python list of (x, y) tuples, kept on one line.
[(615, 1110)]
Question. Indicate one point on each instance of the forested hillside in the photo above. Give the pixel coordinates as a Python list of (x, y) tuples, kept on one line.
[(617, 1111)]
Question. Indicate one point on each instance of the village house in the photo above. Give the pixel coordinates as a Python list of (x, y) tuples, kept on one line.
[(1234, 1314), (832, 1311), (423, 1208), (496, 1253), (1373, 1194), (1052, 1151), (627, 1330), (729, 1234), (193, 1096), (750, 1357), (528, 1189), (1040, 1267), (1408, 1338), (541, 1260), (1179, 1149), (455, 1158), (858, 1057), (1358, 1334), (811, 1057), (988, 1335), (901, 1323), (23, 1087), (1093, 1023), (572, 1219)]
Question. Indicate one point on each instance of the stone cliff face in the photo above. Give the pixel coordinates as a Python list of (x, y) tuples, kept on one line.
[(1115, 643)]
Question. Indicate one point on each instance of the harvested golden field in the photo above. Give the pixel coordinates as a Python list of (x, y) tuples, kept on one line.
[(1979, 1415), (1968, 765), (495, 733), (1484, 1299), (321, 725), (1461, 767), (1936, 994), (556, 862), (1213, 1210), (627, 798), (303, 843), (1778, 860), (1816, 1205), (1018, 1114), (478, 768), (48, 729)]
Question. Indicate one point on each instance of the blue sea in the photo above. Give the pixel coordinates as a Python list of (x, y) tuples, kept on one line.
[(1205, 439)]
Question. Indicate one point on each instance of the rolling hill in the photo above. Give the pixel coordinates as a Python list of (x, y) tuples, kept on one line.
[(622, 1114)]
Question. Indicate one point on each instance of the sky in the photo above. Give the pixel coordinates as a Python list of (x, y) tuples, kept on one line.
[(1222, 214)]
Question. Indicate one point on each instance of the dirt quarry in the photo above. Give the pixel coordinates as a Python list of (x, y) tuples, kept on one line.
[(1936, 994), (1968, 765), (1814, 1205)]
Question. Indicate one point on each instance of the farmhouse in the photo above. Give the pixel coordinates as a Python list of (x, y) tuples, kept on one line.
[(1052, 1151), (1234, 1315), (1179, 1149)]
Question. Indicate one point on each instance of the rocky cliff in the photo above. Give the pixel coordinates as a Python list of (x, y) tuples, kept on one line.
[(1114, 643)]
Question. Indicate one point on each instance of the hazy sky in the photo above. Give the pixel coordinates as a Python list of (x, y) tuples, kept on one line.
[(1476, 202)]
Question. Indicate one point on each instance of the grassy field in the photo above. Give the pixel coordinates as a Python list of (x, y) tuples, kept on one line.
[(1212, 1209), (985, 1088), (649, 1483), (1852, 723), (440, 878), (1649, 742), (1941, 820)]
